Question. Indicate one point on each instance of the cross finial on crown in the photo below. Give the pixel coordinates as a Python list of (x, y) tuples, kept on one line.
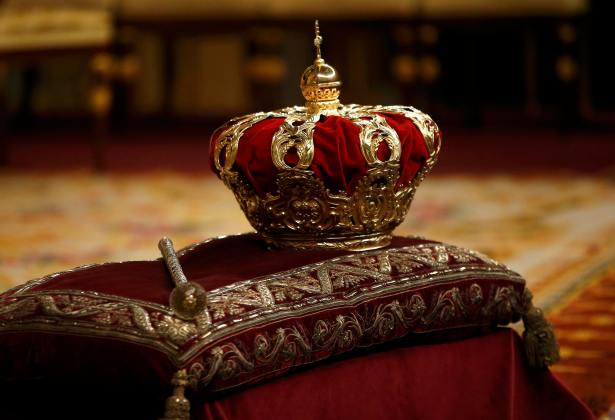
[(317, 40)]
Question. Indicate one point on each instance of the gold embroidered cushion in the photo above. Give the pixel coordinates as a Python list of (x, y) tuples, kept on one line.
[(267, 311)]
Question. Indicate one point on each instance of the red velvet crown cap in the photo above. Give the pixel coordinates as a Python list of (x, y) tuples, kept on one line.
[(338, 160)]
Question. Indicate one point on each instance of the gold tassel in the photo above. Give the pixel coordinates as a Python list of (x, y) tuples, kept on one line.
[(541, 347), (177, 406)]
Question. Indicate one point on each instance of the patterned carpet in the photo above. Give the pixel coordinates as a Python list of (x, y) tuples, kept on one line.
[(557, 230), (584, 325)]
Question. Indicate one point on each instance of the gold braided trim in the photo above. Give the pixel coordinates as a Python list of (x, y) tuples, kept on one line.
[(302, 213), (357, 242), (334, 283)]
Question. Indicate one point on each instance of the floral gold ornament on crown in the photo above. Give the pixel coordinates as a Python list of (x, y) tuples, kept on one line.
[(302, 212)]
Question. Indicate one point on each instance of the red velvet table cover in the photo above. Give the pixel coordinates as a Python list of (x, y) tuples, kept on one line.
[(482, 377), (476, 378)]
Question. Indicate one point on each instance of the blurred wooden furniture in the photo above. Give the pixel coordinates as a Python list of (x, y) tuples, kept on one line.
[(471, 62), (32, 32), (528, 57)]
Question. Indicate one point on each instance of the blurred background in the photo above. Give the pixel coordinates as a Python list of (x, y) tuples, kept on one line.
[(106, 108), (83, 82)]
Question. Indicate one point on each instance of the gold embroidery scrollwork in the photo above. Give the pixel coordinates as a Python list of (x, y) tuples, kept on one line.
[(446, 306), (176, 330), (342, 334), (505, 305), (359, 328), (235, 302), (295, 286), (225, 361), (385, 318), (102, 314), (287, 345), (228, 361)]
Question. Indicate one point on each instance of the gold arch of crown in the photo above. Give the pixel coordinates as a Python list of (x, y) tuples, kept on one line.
[(302, 213)]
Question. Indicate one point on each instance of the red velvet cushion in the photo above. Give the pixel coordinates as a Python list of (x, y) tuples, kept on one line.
[(270, 311)]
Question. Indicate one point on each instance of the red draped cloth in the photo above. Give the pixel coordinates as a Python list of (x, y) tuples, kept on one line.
[(478, 378)]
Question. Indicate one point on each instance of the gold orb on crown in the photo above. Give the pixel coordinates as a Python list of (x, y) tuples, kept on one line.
[(320, 82)]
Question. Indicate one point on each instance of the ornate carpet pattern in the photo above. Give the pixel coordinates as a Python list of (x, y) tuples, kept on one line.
[(585, 326), (556, 230)]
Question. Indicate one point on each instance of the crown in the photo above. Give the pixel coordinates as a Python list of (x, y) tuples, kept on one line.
[(326, 175)]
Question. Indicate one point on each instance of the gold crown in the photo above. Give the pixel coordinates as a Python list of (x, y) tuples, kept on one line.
[(301, 212)]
